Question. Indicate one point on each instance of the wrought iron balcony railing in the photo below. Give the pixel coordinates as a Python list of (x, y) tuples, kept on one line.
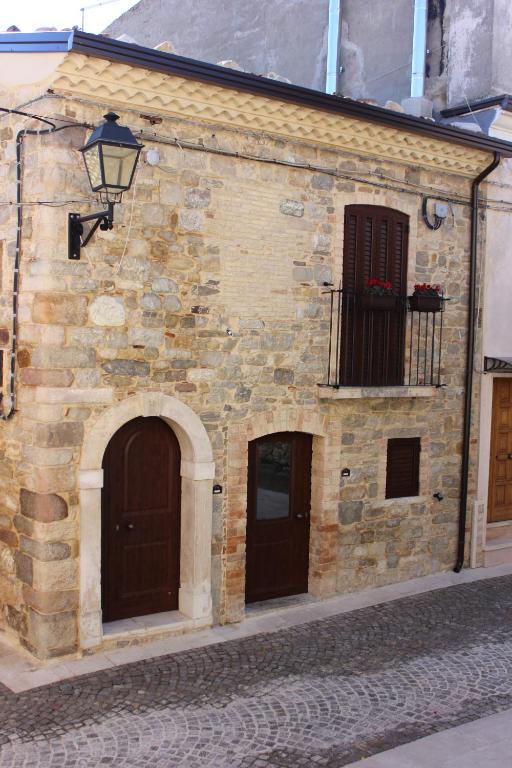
[(384, 344)]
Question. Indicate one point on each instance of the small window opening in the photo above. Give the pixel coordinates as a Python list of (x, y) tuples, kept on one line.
[(403, 467)]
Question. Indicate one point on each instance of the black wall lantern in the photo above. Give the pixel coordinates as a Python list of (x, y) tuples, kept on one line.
[(110, 157)]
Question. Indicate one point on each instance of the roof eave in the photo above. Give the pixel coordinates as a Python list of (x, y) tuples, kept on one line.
[(168, 63)]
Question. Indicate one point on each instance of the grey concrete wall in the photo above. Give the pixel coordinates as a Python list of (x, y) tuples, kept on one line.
[(477, 46), (469, 42), (285, 36), (376, 50), (469, 53), (469, 56), (502, 49), (376, 46), (436, 60)]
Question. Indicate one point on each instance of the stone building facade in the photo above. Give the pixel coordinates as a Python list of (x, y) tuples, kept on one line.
[(206, 306)]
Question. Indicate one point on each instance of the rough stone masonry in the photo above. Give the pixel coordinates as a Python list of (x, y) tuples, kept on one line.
[(210, 290)]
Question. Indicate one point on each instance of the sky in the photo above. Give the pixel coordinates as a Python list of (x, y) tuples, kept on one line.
[(27, 15)]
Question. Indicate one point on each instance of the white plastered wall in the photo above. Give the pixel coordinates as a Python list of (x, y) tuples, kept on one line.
[(497, 339)]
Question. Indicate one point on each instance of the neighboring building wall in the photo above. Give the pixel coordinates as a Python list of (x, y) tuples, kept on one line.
[(478, 51), (288, 37), (501, 52), (204, 244), (498, 289), (375, 49), (467, 40), (494, 307), (470, 43), (468, 53)]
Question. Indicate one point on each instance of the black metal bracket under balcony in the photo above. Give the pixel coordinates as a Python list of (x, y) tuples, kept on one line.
[(384, 341)]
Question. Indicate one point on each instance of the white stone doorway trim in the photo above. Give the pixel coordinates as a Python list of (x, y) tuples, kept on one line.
[(197, 472)]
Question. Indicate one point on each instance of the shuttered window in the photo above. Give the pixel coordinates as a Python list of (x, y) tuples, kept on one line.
[(403, 467), (373, 342)]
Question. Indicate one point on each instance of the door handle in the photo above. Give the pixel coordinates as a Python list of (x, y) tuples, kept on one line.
[(130, 526), (300, 516)]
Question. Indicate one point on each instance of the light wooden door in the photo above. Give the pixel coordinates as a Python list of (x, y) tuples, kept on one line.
[(500, 476)]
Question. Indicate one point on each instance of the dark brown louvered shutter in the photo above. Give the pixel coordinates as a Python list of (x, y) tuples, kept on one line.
[(403, 467), (372, 342)]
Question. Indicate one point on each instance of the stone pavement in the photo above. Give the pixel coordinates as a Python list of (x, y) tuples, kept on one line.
[(324, 693), (485, 743)]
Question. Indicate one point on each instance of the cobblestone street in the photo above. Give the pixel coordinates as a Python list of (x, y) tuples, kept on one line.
[(324, 693)]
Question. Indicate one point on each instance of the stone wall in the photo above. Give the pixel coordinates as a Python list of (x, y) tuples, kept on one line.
[(210, 288), (13, 609)]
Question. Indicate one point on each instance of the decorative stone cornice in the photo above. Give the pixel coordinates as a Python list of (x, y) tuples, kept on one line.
[(119, 84)]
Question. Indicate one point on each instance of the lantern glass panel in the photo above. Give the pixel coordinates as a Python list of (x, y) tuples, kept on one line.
[(93, 166), (118, 166)]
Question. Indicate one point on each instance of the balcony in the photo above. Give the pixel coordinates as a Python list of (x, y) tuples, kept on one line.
[(383, 351)]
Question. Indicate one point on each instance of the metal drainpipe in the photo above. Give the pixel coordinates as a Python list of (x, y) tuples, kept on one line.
[(468, 396), (419, 48), (331, 81)]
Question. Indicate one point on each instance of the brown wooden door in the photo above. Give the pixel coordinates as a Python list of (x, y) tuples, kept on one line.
[(372, 342), (500, 477), (141, 520), (279, 500)]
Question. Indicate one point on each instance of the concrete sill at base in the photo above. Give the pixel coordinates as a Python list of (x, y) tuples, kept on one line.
[(168, 623), (352, 393), (494, 544)]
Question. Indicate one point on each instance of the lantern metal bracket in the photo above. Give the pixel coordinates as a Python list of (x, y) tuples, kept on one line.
[(103, 219)]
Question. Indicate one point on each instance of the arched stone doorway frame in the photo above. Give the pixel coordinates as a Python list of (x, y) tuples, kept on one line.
[(197, 473), (324, 500)]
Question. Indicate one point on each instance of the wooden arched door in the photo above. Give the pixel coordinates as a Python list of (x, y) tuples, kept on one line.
[(141, 520)]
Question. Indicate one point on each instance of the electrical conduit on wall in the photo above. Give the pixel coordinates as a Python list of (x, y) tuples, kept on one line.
[(331, 82), (419, 48)]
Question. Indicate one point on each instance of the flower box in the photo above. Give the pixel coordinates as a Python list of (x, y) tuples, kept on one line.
[(382, 302), (421, 303)]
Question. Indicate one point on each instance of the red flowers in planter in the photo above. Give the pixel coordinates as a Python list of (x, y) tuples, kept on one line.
[(425, 289), (426, 298), (376, 287), (378, 295)]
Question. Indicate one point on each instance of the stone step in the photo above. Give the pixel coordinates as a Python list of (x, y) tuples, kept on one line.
[(499, 531), (498, 552)]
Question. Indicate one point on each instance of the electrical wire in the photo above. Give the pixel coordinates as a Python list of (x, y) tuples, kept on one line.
[(436, 192), (396, 185), (402, 66), (52, 203), (129, 222), (424, 212), (20, 136), (70, 121), (28, 114), (364, 178)]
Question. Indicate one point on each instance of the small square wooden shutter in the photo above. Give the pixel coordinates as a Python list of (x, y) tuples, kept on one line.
[(403, 467)]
